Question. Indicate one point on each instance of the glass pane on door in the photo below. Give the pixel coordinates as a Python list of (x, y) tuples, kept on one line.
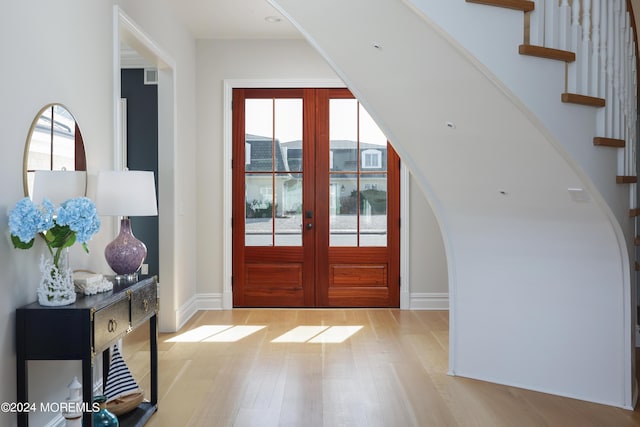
[(343, 219), (258, 210), (273, 166), (357, 199), (373, 210), (288, 214)]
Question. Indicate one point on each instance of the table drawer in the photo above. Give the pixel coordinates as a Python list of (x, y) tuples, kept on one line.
[(110, 323), (143, 303)]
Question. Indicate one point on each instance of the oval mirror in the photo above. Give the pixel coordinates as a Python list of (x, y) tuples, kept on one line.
[(54, 156)]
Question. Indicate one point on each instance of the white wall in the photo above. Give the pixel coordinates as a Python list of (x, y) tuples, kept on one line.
[(62, 52), (52, 52), (157, 19), (428, 279), (279, 60)]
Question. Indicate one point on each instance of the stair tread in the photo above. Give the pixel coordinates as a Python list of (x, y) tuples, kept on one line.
[(574, 98), (633, 212), (523, 5), (546, 52), (609, 142), (626, 179)]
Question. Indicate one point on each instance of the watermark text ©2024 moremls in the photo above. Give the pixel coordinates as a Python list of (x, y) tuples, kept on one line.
[(65, 407)]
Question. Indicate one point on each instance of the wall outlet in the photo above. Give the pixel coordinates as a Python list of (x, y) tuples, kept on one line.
[(144, 269)]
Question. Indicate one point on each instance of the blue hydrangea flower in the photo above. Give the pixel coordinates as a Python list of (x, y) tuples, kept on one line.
[(81, 217), (26, 219), (75, 221)]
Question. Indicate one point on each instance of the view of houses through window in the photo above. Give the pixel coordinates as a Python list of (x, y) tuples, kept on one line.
[(274, 150)]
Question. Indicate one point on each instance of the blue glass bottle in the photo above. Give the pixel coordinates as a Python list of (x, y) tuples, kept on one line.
[(104, 418)]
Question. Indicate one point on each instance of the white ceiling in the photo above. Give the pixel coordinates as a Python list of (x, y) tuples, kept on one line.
[(221, 19), (232, 19)]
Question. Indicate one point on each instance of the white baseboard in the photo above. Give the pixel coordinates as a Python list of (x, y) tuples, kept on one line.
[(417, 301), (210, 301), (216, 301), (186, 312), (429, 301)]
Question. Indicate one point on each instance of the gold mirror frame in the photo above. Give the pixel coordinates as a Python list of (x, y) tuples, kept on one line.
[(64, 132)]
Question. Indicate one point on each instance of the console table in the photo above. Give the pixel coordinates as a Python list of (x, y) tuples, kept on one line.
[(81, 330)]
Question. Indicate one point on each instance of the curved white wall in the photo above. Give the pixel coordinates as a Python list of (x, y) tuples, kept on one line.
[(534, 277)]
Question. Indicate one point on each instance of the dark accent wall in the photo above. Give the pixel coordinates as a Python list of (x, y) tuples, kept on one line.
[(142, 150)]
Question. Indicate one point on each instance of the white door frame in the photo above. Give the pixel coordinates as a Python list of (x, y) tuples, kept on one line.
[(229, 85), (125, 29)]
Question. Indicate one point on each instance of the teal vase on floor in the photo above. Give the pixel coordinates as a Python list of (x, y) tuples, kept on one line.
[(104, 418)]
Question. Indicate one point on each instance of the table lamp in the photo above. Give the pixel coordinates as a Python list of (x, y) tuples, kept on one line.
[(126, 193), (58, 186)]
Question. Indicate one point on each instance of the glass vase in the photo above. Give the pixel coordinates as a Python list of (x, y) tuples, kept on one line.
[(104, 418), (56, 281)]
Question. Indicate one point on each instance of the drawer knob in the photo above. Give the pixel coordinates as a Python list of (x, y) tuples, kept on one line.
[(112, 325), (145, 305)]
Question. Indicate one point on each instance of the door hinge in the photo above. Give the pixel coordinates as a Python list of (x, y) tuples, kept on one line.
[(232, 280), (399, 281)]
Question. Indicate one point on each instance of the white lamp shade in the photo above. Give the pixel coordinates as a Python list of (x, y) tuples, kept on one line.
[(58, 186), (126, 193)]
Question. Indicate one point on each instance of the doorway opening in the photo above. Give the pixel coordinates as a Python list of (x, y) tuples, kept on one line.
[(316, 202), (127, 32)]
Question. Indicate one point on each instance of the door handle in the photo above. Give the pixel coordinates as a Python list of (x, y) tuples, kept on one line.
[(309, 226)]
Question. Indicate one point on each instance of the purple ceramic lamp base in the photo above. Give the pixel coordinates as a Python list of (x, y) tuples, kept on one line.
[(125, 254)]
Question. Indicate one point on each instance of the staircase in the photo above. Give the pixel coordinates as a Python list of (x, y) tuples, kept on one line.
[(498, 115), (602, 66), (604, 35)]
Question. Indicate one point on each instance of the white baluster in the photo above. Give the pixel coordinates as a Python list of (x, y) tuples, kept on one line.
[(584, 56), (609, 132), (601, 72), (633, 118), (628, 84), (595, 58), (536, 24), (604, 29), (564, 26), (576, 33), (551, 37), (616, 70)]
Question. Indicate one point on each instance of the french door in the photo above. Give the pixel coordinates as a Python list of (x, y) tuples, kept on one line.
[(316, 209)]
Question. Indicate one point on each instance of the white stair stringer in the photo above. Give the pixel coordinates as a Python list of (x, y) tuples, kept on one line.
[(539, 282)]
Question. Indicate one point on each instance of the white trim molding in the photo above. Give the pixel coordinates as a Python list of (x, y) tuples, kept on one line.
[(185, 312), (125, 29), (229, 85), (210, 301), (429, 301)]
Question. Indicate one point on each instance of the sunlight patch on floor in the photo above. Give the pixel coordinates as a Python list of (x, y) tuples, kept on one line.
[(200, 333), (234, 334), (318, 334), (300, 334), (217, 333)]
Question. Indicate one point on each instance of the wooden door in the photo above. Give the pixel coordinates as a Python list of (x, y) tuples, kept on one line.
[(315, 202)]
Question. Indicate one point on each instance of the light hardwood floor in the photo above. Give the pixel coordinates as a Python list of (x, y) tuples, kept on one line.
[(391, 372)]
